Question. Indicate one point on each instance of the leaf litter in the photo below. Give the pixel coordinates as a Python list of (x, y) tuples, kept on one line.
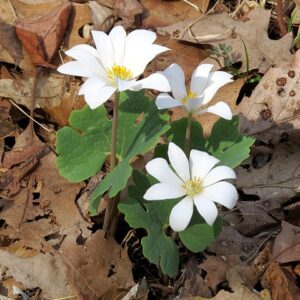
[(49, 244)]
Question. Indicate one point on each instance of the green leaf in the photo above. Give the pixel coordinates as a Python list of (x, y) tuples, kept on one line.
[(198, 234), (153, 216), (133, 139), (227, 143), (83, 147), (176, 134)]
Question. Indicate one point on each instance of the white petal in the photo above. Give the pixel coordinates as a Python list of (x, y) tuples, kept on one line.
[(85, 48), (194, 104), (104, 47), (221, 192), (216, 80), (118, 39), (221, 109), (91, 84), (137, 48), (85, 58), (156, 81), (179, 162), (206, 208), (136, 59), (159, 169), (97, 97), (175, 75), (76, 68), (164, 101), (124, 85), (181, 214), (161, 191), (218, 174), (200, 78), (201, 163)]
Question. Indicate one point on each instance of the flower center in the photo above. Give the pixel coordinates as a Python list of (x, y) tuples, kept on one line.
[(193, 186), (118, 72), (189, 95)]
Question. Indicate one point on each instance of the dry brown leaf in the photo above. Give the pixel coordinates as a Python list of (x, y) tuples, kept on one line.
[(9, 42), (6, 126), (287, 244), (278, 179), (102, 16), (194, 284), (164, 13), (215, 29), (42, 36), (273, 108), (55, 94), (237, 279), (281, 282), (50, 221)]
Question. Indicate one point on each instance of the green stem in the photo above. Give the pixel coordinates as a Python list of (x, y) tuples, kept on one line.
[(188, 134), (111, 210)]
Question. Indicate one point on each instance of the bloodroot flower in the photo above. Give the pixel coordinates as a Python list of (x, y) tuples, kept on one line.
[(197, 180), (115, 64), (204, 85)]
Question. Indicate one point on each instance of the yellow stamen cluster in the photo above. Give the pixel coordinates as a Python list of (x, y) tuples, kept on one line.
[(193, 186), (119, 72), (190, 95)]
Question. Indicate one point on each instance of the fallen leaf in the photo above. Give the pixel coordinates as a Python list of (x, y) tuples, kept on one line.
[(276, 180), (51, 222), (273, 108), (216, 269), (281, 282), (164, 13), (42, 36), (55, 94), (6, 126), (287, 244), (102, 16), (10, 43), (220, 28)]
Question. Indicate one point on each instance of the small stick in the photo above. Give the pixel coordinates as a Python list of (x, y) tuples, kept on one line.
[(280, 18)]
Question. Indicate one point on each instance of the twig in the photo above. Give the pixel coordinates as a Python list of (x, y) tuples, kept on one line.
[(193, 5), (27, 115), (280, 18)]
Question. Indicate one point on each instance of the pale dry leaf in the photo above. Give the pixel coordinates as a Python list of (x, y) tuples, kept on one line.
[(278, 179), (287, 244), (273, 109), (215, 29), (55, 94), (102, 16), (164, 13)]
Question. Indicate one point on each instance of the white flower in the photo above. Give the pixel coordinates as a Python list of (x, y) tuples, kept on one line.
[(196, 180), (115, 64), (204, 85)]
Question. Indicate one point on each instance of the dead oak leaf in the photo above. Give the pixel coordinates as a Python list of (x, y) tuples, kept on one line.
[(215, 29), (273, 108), (287, 244), (41, 36)]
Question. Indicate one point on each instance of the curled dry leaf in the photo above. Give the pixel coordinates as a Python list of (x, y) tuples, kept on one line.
[(220, 28), (6, 128), (42, 36)]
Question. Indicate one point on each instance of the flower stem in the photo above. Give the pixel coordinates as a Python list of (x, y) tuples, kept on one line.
[(111, 210), (188, 134)]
